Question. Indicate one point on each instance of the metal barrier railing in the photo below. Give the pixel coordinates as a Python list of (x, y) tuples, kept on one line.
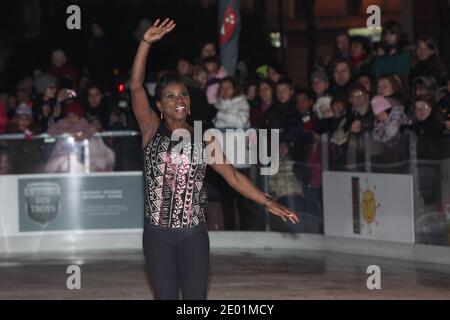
[(121, 151)]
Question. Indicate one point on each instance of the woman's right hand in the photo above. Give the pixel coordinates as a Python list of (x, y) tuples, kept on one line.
[(157, 30), (284, 213)]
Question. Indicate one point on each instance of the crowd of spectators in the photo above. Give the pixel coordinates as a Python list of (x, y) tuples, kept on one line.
[(365, 96)]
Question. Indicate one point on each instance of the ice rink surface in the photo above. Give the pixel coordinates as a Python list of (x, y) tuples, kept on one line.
[(234, 275)]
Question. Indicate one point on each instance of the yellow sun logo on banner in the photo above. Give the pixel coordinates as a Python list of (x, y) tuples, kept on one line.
[(369, 206)]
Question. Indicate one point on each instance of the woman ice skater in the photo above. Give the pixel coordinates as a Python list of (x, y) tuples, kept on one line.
[(175, 239)]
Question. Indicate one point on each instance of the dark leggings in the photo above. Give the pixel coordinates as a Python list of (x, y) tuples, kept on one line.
[(174, 254)]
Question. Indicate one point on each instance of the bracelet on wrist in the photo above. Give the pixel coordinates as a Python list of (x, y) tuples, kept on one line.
[(267, 200), (142, 39)]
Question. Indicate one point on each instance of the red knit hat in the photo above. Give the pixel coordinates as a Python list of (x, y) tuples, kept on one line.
[(74, 108)]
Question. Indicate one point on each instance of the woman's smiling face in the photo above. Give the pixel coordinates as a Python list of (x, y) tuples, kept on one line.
[(175, 102)]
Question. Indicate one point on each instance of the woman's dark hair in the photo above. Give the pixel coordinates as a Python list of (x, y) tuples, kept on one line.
[(203, 45), (278, 68), (229, 79), (430, 83), (394, 27), (343, 61), (435, 59), (233, 83), (306, 92), (364, 42), (340, 99), (428, 99), (367, 75), (397, 86), (271, 84), (164, 82), (285, 81), (186, 58), (211, 59), (94, 85)]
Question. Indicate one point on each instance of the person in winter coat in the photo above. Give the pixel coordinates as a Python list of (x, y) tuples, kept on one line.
[(233, 110), (215, 74), (361, 54), (23, 122), (264, 101), (427, 61), (337, 127), (305, 149), (342, 77), (96, 105), (319, 84), (423, 86), (65, 156), (299, 128), (429, 128), (62, 69), (276, 115), (396, 58), (361, 125), (46, 107), (390, 117)]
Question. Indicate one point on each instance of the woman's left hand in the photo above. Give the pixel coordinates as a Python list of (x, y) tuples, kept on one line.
[(283, 212)]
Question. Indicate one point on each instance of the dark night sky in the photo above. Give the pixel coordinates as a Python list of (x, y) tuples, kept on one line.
[(195, 24)]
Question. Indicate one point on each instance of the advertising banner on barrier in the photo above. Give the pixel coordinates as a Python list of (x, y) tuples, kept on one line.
[(80, 203), (369, 206)]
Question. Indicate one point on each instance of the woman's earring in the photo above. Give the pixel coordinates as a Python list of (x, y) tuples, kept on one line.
[(189, 112), (161, 115)]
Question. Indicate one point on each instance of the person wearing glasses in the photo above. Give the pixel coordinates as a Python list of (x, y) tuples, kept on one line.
[(362, 121)]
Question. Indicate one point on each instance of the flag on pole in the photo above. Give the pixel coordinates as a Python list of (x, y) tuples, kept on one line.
[(229, 29)]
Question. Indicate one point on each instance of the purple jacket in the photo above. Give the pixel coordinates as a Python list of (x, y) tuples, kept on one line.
[(389, 130)]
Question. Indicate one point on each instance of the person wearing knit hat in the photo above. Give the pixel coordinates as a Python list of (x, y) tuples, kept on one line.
[(73, 122), (74, 108), (390, 117), (322, 108), (423, 86), (320, 75), (320, 83), (380, 104), (44, 81), (46, 110), (23, 122), (23, 110)]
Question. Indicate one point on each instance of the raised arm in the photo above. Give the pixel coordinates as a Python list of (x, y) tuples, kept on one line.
[(147, 119)]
